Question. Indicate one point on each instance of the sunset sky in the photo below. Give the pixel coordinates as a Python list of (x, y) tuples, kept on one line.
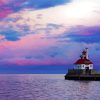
[(48, 33)]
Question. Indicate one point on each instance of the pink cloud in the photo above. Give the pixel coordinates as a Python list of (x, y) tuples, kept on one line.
[(5, 12), (3, 2), (22, 62), (26, 46), (32, 45)]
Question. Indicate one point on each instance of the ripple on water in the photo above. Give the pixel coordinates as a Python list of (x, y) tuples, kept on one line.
[(46, 87)]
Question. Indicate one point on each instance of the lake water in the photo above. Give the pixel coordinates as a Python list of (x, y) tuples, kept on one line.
[(46, 87)]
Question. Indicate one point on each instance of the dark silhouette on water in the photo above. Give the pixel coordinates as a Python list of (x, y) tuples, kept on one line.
[(83, 69)]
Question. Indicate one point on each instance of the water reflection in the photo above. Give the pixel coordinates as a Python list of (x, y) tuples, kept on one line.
[(41, 87)]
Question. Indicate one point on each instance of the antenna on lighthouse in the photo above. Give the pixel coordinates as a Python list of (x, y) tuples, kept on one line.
[(87, 56)]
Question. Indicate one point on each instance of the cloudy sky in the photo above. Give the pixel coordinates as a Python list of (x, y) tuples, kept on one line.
[(48, 32)]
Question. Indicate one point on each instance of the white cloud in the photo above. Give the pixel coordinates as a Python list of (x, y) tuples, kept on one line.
[(77, 12)]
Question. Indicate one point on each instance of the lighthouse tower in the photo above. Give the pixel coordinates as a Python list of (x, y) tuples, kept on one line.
[(84, 62)]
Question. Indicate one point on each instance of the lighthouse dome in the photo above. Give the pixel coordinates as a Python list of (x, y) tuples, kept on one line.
[(83, 61)]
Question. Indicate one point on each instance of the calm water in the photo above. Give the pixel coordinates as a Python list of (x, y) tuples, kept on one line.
[(46, 87)]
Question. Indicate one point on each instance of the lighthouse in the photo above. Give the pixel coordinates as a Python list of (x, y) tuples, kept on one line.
[(84, 62), (83, 69)]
